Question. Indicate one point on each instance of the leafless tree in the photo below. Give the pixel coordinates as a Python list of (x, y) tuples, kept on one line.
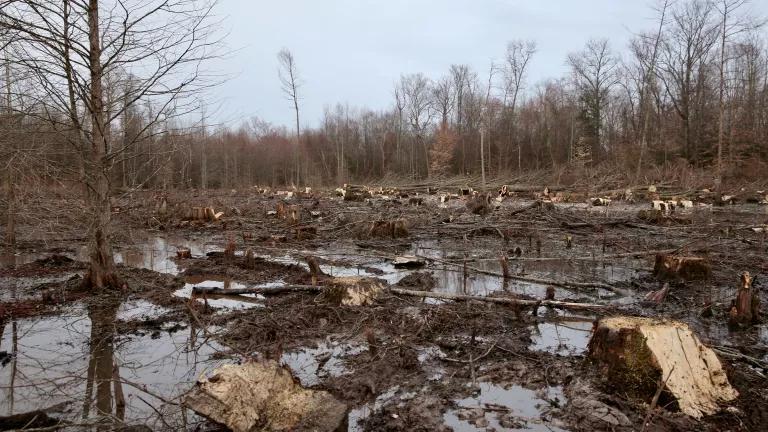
[(69, 48), (517, 58), (416, 90), (444, 96), (485, 120), (689, 38), (595, 69), (291, 82), (647, 80), (732, 23)]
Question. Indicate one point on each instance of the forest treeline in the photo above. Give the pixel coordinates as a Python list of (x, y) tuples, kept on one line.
[(692, 89)]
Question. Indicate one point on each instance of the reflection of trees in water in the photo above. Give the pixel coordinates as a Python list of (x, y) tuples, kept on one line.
[(11, 355), (103, 370)]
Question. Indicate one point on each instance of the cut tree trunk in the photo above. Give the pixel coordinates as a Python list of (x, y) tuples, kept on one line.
[(638, 353), (745, 309), (677, 267), (264, 395)]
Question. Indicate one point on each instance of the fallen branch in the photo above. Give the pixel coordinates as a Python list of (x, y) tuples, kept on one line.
[(498, 300), (400, 291), (256, 290)]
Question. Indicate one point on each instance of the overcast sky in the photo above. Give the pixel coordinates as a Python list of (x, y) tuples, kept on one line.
[(352, 51)]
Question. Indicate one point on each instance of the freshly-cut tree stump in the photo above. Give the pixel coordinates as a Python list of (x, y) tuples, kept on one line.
[(677, 267), (205, 214), (353, 290), (258, 394), (388, 229), (480, 204), (638, 353), (745, 309)]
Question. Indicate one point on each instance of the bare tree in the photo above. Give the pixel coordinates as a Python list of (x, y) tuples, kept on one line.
[(646, 81), (731, 24), (444, 96), (67, 49), (485, 121), (688, 41), (518, 56), (594, 69), (416, 90), (290, 82)]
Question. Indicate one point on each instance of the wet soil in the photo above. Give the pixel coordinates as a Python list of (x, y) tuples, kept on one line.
[(403, 363)]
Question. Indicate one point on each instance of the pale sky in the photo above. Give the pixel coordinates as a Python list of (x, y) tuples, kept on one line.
[(352, 51)]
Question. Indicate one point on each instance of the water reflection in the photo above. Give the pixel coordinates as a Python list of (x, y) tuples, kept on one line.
[(156, 253), (103, 371), (79, 359), (505, 408)]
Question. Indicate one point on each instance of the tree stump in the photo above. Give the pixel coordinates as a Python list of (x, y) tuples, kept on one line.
[(686, 268), (745, 308), (247, 397), (639, 353)]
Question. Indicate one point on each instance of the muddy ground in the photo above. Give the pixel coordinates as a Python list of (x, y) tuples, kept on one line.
[(125, 359)]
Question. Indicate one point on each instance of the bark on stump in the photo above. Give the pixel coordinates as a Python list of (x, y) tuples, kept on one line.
[(677, 267), (388, 229), (638, 353), (745, 308)]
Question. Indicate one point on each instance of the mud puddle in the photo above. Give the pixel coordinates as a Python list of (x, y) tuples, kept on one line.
[(565, 336), (311, 365), (495, 407), (447, 269), (78, 361), (156, 253)]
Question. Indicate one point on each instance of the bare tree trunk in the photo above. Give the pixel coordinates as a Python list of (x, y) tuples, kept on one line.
[(10, 221), (101, 272), (204, 156), (644, 91), (482, 154)]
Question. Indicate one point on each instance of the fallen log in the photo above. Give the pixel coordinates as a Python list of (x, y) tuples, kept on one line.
[(203, 290), (400, 291), (497, 300), (638, 353)]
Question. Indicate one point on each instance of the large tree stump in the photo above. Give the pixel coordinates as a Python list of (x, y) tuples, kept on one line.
[(745, 309), (353, 290), (263, 395), (639, 353), (480, 204), (396, 228), (678, 267)]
